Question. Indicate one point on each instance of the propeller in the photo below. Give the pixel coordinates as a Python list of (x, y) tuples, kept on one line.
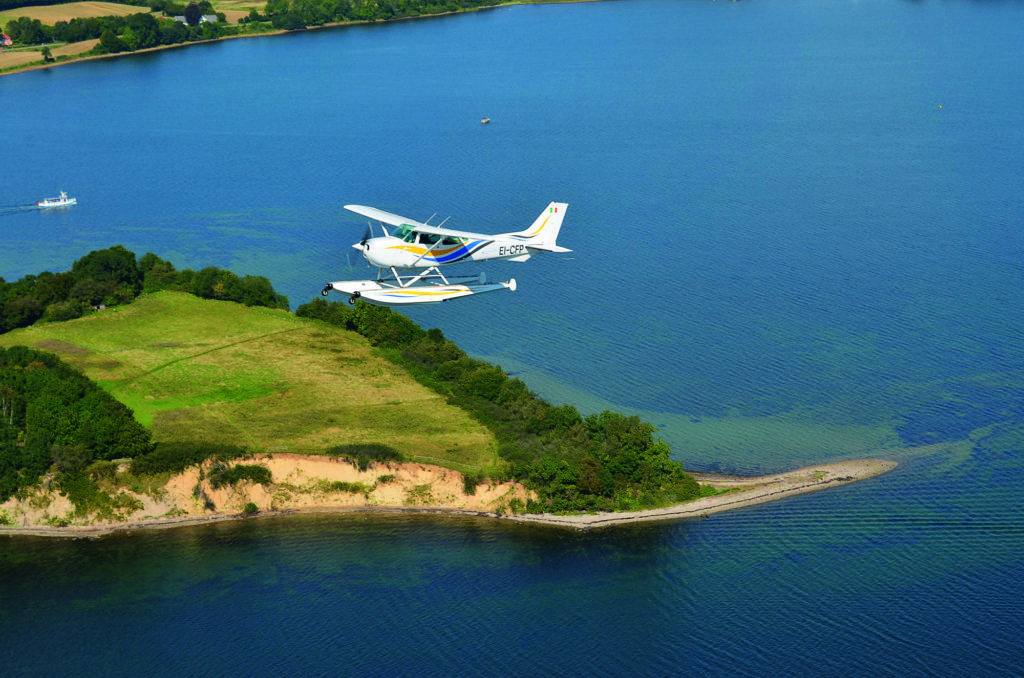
[(363, 245)]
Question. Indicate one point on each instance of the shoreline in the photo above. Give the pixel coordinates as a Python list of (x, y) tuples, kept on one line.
[(744, 492), (90, 57)]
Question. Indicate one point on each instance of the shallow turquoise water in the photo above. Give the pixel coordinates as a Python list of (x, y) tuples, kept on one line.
[(796, 235)]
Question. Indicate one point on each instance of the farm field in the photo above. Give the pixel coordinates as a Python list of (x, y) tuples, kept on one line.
[(51, 14)]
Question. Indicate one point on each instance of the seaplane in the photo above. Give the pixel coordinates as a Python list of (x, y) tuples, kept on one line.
[(409, 257)]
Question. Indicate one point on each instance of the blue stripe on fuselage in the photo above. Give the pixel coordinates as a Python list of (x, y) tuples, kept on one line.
[(459, 253)]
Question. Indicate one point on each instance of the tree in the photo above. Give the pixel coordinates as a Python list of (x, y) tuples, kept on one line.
[(50, 414), (130, 40), (146, 29), (109, 43), (157, 273), (193, 15), (12, 405), (29, 31), (257, 291), (214, 283), (47, 56), (89, 291), (116, 265), (21, 313), (53, 287), (64, 310)]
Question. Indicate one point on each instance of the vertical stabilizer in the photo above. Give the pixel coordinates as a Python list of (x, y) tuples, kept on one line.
[(543, 233)]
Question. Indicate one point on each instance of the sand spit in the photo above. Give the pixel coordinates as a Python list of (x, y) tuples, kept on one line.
[(310, 484), (744, 491)]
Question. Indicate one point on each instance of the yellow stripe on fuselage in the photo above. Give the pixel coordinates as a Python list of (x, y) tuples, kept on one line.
[(412, 249)]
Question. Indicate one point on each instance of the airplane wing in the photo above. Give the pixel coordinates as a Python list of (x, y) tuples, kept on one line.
[(383, 217), (395, 220)]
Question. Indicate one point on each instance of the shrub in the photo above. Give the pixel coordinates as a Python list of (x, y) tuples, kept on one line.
[(220, 474), (351, 488), (363, 455), (102, 470), (251, 508), (87, 498), (57, 521), (176, 457), (470, 482)]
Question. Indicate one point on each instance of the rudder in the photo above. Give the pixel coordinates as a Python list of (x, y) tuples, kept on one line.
[(544, 231)]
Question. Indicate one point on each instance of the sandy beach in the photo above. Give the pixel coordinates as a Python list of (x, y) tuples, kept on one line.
[(310, 484)]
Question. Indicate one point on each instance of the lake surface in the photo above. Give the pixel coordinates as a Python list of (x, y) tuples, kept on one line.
[(797, 238)]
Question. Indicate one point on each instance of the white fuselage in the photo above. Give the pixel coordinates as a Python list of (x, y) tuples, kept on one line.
[(422, 250)]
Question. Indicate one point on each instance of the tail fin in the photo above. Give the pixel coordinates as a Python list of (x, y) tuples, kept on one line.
[(544, 231)]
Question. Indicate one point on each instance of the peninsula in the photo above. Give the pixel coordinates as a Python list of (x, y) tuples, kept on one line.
[(197, 396)]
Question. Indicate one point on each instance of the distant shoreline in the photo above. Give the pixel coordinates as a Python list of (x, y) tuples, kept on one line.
[(91, 57), (745, 492)]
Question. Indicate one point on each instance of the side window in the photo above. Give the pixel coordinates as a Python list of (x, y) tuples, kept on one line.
[(451, 240)]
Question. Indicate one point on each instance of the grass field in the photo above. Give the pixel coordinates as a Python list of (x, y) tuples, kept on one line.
[(193, 369)]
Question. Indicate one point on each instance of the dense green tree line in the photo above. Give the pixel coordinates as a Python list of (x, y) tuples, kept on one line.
[(295, 14), (52, 416), (604, 461), (113, 276)]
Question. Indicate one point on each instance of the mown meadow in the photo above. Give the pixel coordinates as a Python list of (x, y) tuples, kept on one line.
[(212, 371)]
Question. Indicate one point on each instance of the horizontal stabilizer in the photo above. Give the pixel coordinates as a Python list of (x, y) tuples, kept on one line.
[(556, 249)]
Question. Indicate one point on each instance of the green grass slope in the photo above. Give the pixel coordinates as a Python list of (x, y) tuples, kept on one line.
[(200, 370)]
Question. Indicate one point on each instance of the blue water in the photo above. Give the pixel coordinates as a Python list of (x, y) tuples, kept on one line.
[(797, 239)]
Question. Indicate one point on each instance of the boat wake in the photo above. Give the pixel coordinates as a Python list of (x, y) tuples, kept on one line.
[(15, 209)]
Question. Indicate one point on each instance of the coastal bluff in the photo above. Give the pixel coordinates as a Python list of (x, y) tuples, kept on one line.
[(308, 484)]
